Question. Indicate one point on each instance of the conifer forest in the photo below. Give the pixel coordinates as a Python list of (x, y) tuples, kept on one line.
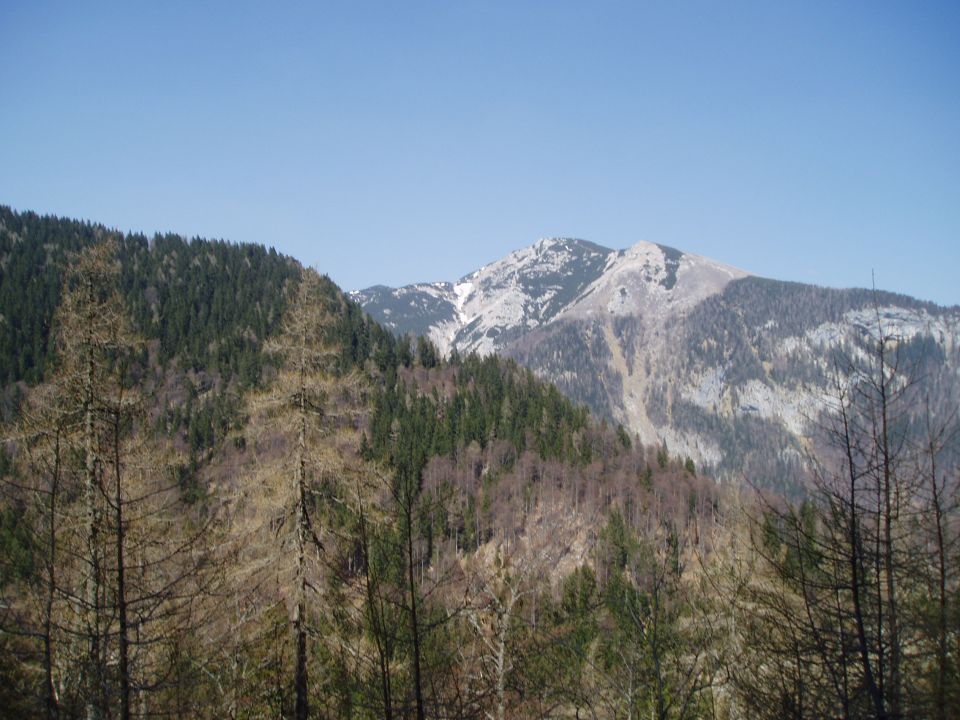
[(225, 492)]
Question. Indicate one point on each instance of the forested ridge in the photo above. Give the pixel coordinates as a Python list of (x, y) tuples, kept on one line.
[(228, 493)]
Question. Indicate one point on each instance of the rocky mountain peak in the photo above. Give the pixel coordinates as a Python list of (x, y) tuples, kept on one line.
[(727, 368), (556, 277)]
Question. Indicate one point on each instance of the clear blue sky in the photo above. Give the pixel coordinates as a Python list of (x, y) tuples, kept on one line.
[(403, 141)]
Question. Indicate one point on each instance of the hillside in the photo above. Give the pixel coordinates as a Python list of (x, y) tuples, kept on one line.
[(228, 494), (477, 452)]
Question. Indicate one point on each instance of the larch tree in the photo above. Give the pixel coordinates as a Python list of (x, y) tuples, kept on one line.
[(301, 422), (95, 343), (120, 569), (38, 488)]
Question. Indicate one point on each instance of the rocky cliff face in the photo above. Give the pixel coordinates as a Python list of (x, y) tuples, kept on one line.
[(729, 369)]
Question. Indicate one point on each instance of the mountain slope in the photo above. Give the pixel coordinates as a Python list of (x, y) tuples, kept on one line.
[(730, 369), (552, 279), (459, 512), (403, 467)]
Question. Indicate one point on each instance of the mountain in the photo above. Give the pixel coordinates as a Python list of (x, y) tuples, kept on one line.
[(554, 279), (730, 369), (171, 405), (226, 490)]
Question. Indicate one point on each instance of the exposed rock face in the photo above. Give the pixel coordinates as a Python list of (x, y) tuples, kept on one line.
[(730, 369)]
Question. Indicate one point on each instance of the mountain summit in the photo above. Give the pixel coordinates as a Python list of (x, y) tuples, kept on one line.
[(554, 278), (730, 369)]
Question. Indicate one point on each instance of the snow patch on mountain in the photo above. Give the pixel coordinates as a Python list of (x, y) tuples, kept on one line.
[(517, 293), (650, 337), (551, 279), (461, 292)]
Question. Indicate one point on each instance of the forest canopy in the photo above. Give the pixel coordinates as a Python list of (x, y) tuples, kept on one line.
[(228, 493)]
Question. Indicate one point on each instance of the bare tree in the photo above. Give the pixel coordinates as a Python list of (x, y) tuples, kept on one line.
[(498, 585), (839, 577), (297, 422), (94, 341), (38, 485), (120, 568)]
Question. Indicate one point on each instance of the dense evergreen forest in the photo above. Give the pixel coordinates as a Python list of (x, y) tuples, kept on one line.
[(228, 493)]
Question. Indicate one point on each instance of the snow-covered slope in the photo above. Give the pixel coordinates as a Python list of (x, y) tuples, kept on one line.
[(554, 278), (498, 302), (730, 369)]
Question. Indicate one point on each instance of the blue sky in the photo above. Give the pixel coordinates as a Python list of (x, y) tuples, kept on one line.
[(398, 142)]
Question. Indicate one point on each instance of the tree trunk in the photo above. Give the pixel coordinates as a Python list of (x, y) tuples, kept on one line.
[(301, 685), (414, 622), (375, 612), (53, 708), (940, 702), (91, 595), (889, 509), (124, 639), (655, 651), (855, 580), (502, 666)]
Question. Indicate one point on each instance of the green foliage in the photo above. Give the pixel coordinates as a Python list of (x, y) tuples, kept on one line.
[(792, 540), (465, 447), (188, 482), (16, 546), (427, 354), (616, 543), (16, 539), (646, 477), (663, 455), (210, 304), (572, 626), (578, 601), (492, 399), (205, 308)]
